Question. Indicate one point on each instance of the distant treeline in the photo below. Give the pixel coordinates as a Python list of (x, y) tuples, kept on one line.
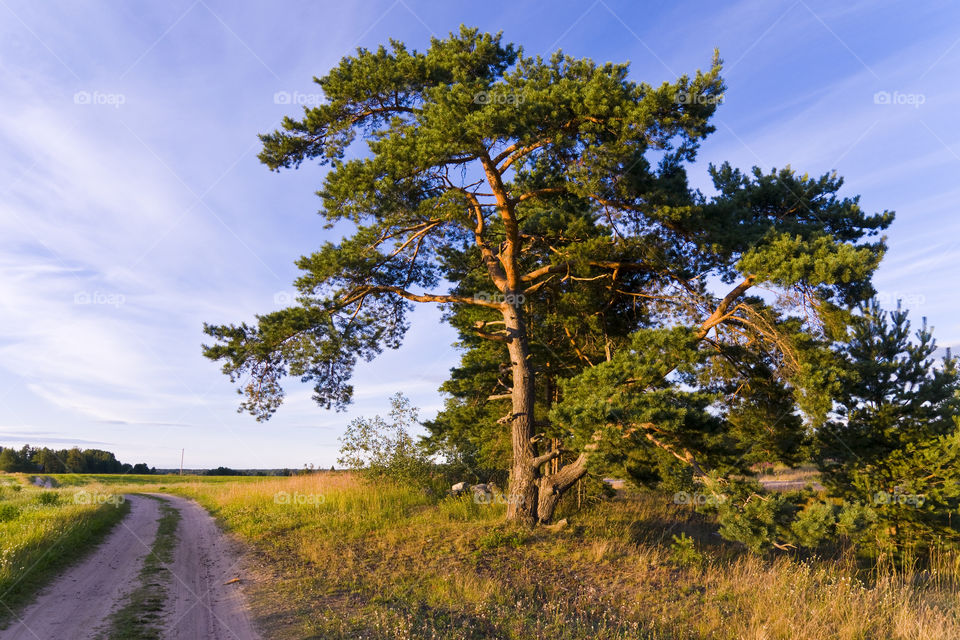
[(30, 459), (43, 460), (227, 471)]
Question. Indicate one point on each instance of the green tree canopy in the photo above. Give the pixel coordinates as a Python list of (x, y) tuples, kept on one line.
[(545, 204)]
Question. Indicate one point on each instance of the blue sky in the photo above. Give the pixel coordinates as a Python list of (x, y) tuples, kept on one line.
[(133, 208)]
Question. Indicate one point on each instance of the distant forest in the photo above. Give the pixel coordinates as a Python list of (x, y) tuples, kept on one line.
[(43, 460), (29, 459)]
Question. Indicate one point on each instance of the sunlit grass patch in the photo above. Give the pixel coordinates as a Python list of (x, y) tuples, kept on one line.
[(42, 531)]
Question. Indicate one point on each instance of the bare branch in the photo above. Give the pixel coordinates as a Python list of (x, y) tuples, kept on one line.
[(543, 459), (573, 343), (491, 336), (515, 152), (556, 483), (418, 235), (603, 264), (720, 313)]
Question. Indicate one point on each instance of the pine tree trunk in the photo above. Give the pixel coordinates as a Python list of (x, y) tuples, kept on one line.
[(532, 499), (553, 487), (522, 502)]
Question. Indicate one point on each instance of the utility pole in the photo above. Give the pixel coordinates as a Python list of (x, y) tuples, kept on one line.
[(181, 461)]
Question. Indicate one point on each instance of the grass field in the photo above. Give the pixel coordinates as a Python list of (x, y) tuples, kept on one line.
[(383, 563), (44, 530), (129, 482), (336, 558)]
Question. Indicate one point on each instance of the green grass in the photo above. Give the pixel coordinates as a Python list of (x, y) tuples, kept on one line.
[(140, 616), (43, 531)]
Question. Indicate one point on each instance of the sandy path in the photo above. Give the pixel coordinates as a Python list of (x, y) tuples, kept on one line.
[(79, 601), (199, 605)]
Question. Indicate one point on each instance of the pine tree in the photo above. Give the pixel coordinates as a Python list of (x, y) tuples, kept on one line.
[(545, 205), (894, 443)]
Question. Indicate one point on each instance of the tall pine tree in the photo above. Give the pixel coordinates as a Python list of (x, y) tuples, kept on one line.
[(545, 205)]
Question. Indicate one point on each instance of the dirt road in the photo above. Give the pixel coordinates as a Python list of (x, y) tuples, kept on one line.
[(199, 605)]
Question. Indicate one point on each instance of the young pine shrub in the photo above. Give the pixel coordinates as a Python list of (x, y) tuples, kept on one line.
[(684, 553)]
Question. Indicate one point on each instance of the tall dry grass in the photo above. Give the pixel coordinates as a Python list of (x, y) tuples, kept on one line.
[(379, 561)]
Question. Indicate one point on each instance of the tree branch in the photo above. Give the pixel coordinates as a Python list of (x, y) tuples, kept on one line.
[(564, 478), (366, 290), (685, 457), (647, 427), (494, 268), (603, 264), (381, 110), (490, 336), (573, 343), (515, 152), (536, 193), (720, 313), (508, 257), (547, 457)]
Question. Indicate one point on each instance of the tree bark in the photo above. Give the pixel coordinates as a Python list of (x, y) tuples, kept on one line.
[(552, 487), (522, 498)]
